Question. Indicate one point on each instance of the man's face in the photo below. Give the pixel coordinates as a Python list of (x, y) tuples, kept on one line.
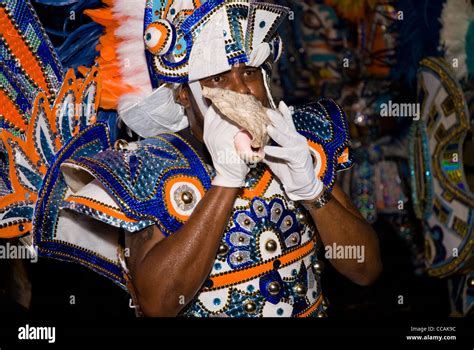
[(241, 79)]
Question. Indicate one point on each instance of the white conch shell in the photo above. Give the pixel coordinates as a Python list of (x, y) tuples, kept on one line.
[(243, 109), (247, 112)]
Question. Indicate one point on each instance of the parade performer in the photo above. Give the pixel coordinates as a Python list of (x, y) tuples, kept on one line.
[(220, 208)]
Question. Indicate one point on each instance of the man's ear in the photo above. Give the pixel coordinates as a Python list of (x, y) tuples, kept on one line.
[(183, 97)]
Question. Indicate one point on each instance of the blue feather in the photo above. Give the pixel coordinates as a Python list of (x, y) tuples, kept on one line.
[(79, 49), (75, 37)]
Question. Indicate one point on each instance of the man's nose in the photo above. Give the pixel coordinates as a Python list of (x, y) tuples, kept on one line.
[(238, 84)]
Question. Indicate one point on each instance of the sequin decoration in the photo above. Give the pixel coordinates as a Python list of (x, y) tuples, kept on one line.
[(166, 189), (170, 45), (325, 126), (160, 37), (30, 156), (29, 65), (441, 195)]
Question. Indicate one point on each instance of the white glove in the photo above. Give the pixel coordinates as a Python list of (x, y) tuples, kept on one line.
[(219, 134), (292, 163)]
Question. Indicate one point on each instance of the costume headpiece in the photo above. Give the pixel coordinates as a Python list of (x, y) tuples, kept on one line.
[(187, 41), (182, 42)]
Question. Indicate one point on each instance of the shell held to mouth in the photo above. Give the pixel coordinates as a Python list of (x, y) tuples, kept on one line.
[(247, 112)]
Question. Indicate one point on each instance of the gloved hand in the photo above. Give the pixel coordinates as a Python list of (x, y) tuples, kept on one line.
[(292, 163), (218, 136)]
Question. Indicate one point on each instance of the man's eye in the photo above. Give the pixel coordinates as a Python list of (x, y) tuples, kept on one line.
[(216, 79), (249, 73)]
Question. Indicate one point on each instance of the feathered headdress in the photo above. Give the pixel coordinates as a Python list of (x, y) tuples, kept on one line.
[(149, 44)]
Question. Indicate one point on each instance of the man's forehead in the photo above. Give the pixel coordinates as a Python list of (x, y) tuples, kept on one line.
[(238, 66)]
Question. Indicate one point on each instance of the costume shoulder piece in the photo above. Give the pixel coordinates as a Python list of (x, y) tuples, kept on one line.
[(46, 117), (324, 124), (92, 190), (156, 181)]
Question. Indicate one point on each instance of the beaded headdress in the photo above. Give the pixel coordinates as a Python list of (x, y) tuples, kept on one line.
[(179, 42), (186, 40)]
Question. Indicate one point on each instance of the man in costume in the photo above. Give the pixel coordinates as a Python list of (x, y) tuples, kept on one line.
[(222, 206)]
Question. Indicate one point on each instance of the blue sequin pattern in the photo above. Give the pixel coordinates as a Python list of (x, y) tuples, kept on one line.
[(324, 123), (92, 140), (28, 25), (136, 179)]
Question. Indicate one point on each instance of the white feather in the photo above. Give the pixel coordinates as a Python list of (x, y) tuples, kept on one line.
[(131, 29), (131, 50), (455, 18), (130, 8)]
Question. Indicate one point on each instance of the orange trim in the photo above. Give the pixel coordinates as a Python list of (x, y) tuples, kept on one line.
[(352, 10), (344, 158), (169, 204), (22, 52), (100, 207), (318, 148), (239, 276), (18, 191), (322, 45), (312, 308), (161, 42), (11, 113), (259, 188), (29, 145), (167, 9), (113, 86), (14, 230)]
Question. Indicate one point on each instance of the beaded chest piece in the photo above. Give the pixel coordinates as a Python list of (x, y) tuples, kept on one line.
[(265, 265), (440, 191)]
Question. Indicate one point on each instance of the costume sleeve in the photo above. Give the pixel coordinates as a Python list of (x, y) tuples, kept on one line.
[(324, 125)]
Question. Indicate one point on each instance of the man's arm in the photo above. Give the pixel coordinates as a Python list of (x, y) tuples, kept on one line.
[(341, 223), (165, 271)]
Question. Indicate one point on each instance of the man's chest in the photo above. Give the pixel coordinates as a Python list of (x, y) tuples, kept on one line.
[(265, 262)]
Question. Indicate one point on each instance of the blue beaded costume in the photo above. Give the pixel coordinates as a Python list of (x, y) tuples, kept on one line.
[(73, 190)]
